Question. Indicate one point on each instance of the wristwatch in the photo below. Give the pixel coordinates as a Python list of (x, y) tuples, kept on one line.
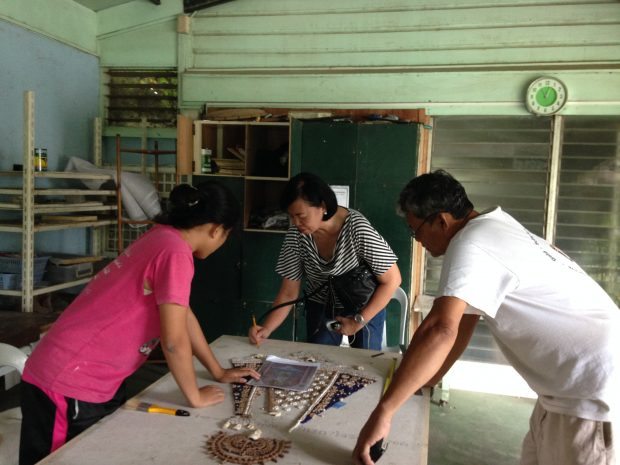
[(360, 319)]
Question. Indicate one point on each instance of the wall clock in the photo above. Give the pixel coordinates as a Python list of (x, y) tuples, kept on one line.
[(545, 96)]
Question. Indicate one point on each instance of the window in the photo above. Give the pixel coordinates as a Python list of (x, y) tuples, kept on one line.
[(505, 161), (500, 161), (588, 216), (140, 98)]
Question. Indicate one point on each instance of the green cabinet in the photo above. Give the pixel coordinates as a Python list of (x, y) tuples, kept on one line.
[(374, 159), (216, 287)]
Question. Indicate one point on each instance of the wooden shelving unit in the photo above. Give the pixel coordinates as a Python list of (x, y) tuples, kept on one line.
[(27, 199), (261, 148)]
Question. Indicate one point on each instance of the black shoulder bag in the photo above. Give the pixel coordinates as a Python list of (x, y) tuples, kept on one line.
[(353, 289)]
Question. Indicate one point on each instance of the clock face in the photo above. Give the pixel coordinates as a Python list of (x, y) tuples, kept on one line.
[(545, 96)]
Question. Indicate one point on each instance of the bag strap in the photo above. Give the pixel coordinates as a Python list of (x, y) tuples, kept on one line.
[(303, 298)]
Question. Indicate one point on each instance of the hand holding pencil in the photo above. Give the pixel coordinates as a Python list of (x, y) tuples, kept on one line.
[(257, 334)]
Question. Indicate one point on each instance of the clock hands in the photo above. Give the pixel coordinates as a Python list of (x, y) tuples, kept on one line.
[(546, 96)]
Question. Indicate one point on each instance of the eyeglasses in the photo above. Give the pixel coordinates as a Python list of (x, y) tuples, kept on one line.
[(414, 233)]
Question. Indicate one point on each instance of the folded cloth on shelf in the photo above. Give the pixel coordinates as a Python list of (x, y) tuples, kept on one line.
[(139, 196)]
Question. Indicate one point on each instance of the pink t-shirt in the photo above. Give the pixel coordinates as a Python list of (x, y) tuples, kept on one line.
[(112, 326)]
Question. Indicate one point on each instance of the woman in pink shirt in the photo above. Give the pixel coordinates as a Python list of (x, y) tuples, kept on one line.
[(75, 376)]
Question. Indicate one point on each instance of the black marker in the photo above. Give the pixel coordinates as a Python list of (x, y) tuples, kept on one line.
[(377, 450)]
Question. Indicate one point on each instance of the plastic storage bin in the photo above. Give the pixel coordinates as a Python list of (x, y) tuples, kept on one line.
[(8, 281), (12, 264), (65, 273)]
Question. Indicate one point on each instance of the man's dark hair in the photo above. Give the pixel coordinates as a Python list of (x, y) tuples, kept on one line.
[(434, 192), (312, 189)]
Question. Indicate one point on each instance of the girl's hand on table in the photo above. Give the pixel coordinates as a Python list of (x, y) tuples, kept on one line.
[(238, 375)]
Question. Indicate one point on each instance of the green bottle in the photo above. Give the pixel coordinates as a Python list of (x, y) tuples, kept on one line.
[(206, 160)]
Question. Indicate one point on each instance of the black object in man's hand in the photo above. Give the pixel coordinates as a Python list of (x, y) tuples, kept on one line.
[(377, 450)]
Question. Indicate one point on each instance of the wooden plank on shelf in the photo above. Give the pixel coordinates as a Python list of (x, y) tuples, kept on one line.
[(229, 163), (238, 152), (67, 218), (231, 172), (235, 114), (87, 203), (60, 259)]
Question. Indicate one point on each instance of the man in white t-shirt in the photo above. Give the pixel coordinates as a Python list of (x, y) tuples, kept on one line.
[(555, 325)]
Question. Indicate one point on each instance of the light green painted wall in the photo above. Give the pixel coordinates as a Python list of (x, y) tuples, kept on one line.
[(153, 46), (136, 14), (136, 34), (449, 57), (139, 34), (62, 20)]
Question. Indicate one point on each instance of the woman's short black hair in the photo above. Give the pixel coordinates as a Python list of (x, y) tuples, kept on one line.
[(208, 202), (312, 189), (434, 192)]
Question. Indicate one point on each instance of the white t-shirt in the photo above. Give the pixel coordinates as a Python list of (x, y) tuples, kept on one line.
[(555, 325)]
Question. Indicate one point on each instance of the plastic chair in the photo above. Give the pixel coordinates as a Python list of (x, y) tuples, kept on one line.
[(13, 357), (401, 297), (10, 420)]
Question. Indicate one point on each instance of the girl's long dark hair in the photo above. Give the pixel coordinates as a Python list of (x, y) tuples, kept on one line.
[(208, 202)]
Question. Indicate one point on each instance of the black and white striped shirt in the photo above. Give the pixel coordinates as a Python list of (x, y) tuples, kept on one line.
[(357, 241)]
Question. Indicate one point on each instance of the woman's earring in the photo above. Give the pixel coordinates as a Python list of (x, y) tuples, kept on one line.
[(324, 212)]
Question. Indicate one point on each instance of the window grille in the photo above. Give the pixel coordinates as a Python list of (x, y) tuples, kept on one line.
[(588, 215), (500, 161), (504, 161), (141, 97)]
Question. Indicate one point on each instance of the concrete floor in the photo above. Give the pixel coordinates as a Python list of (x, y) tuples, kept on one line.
[(478, 429)]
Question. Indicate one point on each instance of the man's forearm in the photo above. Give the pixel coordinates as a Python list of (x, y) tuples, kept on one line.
[(466, 330), (424, 357)]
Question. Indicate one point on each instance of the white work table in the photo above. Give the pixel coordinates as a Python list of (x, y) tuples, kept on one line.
[(130, 437)]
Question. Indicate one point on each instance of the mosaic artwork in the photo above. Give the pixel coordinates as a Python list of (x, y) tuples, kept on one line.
[(331, 384), (243, 394), (240, 449), (343, 385)]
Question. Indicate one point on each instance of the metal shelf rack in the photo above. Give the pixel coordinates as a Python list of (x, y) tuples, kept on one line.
[(25, 200)]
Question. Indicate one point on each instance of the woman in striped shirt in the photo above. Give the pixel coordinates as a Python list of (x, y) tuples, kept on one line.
[(328, 240)]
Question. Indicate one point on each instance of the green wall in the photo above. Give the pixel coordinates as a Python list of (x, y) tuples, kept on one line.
[(62, 20), (466, 57), (139, 34), (457, 58)]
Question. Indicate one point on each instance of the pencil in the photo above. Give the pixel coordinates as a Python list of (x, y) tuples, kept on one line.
[(388, 378), (255, 325)]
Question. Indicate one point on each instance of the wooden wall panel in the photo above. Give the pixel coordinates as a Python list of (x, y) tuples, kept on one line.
[(446, 56)]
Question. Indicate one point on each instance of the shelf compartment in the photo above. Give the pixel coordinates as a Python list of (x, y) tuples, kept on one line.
[(268, 151), (262, 202)]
